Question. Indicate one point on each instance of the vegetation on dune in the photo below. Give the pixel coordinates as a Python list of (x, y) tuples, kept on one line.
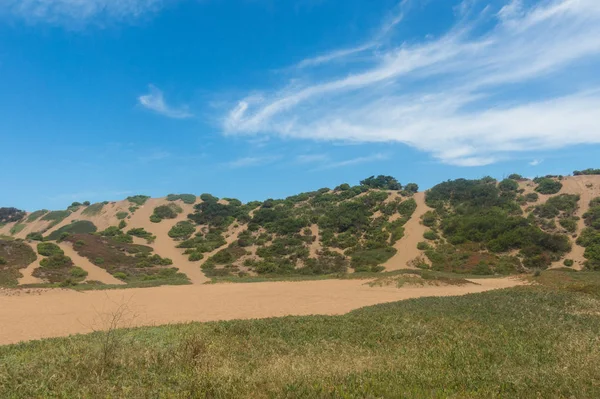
[(590, 236), (131, 263), (589, 171), (142, 233), (186, 198), (481, 222), (77, 226), (36, 215), (10, 215), (161, 212), (35, 236), (138, 199), (93, 210), (59, 269), (55, 217), (534, 341), (182, 230), (122, 215), (276, 235), (17, 228), (49, 249), (547, 185), (14, 255)]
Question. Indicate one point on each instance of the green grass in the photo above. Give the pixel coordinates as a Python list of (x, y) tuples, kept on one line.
[(14, 255), (93, 209), (17, 228), (77, 227), (538, 341), (430, 274), (36, 215)]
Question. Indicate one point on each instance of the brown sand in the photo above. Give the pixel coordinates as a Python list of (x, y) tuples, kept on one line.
[(588, 187), (60, 312), (413, 234)]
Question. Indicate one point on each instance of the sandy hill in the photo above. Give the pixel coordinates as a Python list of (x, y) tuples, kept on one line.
[(463, 226)]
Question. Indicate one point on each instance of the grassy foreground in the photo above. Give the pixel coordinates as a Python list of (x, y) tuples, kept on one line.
[(540, 341)]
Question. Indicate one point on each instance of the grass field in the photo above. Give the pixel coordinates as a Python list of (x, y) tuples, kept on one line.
[(540, 341)]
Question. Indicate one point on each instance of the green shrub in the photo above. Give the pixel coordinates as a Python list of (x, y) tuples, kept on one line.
[(35, 236), (9, 215), (122, 215), (568, 262), (78, 272), (93, 210), (182, 230), (120, 275), (508, 185), (77, 227), (17, 228), (422, 246), (56, 261), (195, 256), (36, 215), (139, 200), (589, 171), (548, 186), (3, 261), (430, 235), (169, 211), (186, 198), (49, 249), (56, 216), (569, 223)]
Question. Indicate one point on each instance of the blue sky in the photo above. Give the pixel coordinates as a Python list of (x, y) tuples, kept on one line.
[(253, 99)]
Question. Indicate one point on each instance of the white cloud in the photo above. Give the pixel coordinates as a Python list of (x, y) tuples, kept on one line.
[(78, 11), (247, 162), (536, 162), (353, 161), (466, 97), (155, 101)]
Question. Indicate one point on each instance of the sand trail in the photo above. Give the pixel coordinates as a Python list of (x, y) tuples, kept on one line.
[(27, 273), (413, 234), (62, 312)]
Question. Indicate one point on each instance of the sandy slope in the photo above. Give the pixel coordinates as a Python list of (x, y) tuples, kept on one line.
[(164, 245), (95, 273), (588, 187), (60, 313), (413, 234)]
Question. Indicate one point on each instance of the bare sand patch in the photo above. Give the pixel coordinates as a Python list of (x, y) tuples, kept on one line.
[(56, 313), (413, 234)]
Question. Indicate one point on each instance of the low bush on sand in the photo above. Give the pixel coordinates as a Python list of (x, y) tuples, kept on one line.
[(93, 210), (79, 226), (186, 198)]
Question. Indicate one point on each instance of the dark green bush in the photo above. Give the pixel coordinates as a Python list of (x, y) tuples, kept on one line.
[(568, 262), (9, 215), (122, 215), (182, 230), (548, 186), (589, 171), (139, 200), (430, 235), (186, 198), (49, 249), (80, 226)]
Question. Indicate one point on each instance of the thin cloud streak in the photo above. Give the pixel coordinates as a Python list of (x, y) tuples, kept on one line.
[(247, 162), (441, 95), (353, 161), (79, 12), (155, 101)]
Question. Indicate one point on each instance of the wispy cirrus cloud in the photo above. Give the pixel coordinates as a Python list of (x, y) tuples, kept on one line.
[(499, 81), (353, 161), (79, 11), (247, 162), (155, 101)]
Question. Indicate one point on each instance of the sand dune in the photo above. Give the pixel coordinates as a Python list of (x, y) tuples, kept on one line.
[(61, 313)]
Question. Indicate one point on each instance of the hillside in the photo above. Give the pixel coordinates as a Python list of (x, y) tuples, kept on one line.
[(481, 227)]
